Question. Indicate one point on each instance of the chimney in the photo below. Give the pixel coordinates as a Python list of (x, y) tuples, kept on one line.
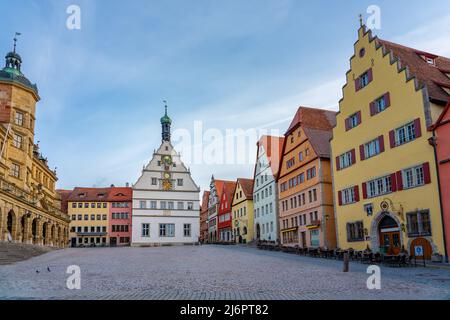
[(112, 185), (127, 184)]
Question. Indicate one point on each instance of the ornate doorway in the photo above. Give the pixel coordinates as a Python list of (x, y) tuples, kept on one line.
[(389, 232)]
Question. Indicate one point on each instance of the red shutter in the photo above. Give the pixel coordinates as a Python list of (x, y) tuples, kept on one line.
[(426, 173), (347, 124), (381, 143), (358, 115), (353, 153), (387, 99), (392, 138), (340, 197), (364, 190), (338, 165), (356, 193), (417, 128), (357, 83), (399, 175), (370, 74), (393, 182), (361, 152), (373, 111)]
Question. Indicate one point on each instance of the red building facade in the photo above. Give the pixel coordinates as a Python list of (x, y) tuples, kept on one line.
[(442, 147), (224, 215), (120, 216)]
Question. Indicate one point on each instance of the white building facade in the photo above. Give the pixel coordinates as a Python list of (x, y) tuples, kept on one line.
[(265, 192), (165, 199)]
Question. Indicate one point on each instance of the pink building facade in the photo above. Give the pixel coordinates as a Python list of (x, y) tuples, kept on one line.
[(120, 216), (442, 146)]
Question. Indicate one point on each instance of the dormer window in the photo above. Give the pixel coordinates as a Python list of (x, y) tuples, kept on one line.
[(430, 61)]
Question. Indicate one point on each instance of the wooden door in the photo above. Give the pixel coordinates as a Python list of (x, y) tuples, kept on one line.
[(391, 241), (426, 246)]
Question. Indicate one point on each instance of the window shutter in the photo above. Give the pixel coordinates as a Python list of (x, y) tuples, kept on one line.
[(399, 175), (356, 188), (364, 190), (338, 165), (348, 232), (347, 124), (387, 99), (417, 128), (353, 153), (370, 74), (426, 173), (340, 197), (358, 115), (361, 152), (393, 182), (357, 84), (381, 143), (392, 138), (373, 111)]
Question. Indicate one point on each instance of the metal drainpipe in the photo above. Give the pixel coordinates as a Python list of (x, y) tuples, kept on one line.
[(433, 143)]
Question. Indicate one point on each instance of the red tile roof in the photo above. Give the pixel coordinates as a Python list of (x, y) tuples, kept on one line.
[(117, 194), (64, 194), (228, 189), (432, 77), (219, 186), (317, 125), (205, 200), (247, 187), (274, 149)]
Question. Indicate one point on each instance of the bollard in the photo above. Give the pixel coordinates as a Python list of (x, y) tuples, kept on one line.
[(346, 261)]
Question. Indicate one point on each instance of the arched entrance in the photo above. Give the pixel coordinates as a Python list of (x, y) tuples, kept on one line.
[(258, 231), (22, 228), (389, 233), (34, 231), (44, 233), (10, 225)]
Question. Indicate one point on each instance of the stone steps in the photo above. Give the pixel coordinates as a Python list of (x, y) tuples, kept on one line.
[(14, 252)]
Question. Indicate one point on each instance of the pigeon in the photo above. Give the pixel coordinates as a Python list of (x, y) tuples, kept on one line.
[(37, 271), (48, 269)]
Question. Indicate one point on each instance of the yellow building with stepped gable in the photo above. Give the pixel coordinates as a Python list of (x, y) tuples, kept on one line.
[(384, 173), (242, 212)]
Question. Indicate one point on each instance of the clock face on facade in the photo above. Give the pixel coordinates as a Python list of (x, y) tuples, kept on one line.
[(167, 185), (166, 175), (167, 160)]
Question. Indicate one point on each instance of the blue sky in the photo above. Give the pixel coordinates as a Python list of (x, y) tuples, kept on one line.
[(231, 64)]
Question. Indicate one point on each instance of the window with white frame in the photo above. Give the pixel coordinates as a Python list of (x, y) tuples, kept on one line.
[(142, 204), (190, 206), (353, 121), (348, 195), (413, 177), (405, 134), (345, 160), (145, 230), (167, 230), (378, 187), (153, 204), (187, 230), (180, 205), (163, 205), (419, 223), (372, 148)]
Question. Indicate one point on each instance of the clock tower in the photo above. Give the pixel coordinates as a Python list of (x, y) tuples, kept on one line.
[(165, 198)]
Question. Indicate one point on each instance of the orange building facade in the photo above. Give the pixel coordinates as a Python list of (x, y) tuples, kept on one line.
[(306, 216)]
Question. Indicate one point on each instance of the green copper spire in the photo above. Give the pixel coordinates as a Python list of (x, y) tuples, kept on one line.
[(165, 123)]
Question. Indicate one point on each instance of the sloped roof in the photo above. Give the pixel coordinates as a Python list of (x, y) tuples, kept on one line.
[(120, 194), (228, 189), (247, 187), (219, 186), (64, 194), (433, 77), (89, 194), (205, 200), (440, 121), (270, 144), (317, 125)]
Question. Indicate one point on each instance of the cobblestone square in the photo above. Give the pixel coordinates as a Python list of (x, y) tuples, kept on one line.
[(210, 273)]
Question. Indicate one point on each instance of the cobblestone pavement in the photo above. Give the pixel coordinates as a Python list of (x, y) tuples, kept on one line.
[(209, 273)]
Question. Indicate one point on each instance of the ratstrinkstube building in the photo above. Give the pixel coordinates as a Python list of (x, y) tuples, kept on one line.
[(166, 204), (384, 170), (30, 207)]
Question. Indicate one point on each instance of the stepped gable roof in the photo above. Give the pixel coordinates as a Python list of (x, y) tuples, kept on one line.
[(433, 77), (247, 187)]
